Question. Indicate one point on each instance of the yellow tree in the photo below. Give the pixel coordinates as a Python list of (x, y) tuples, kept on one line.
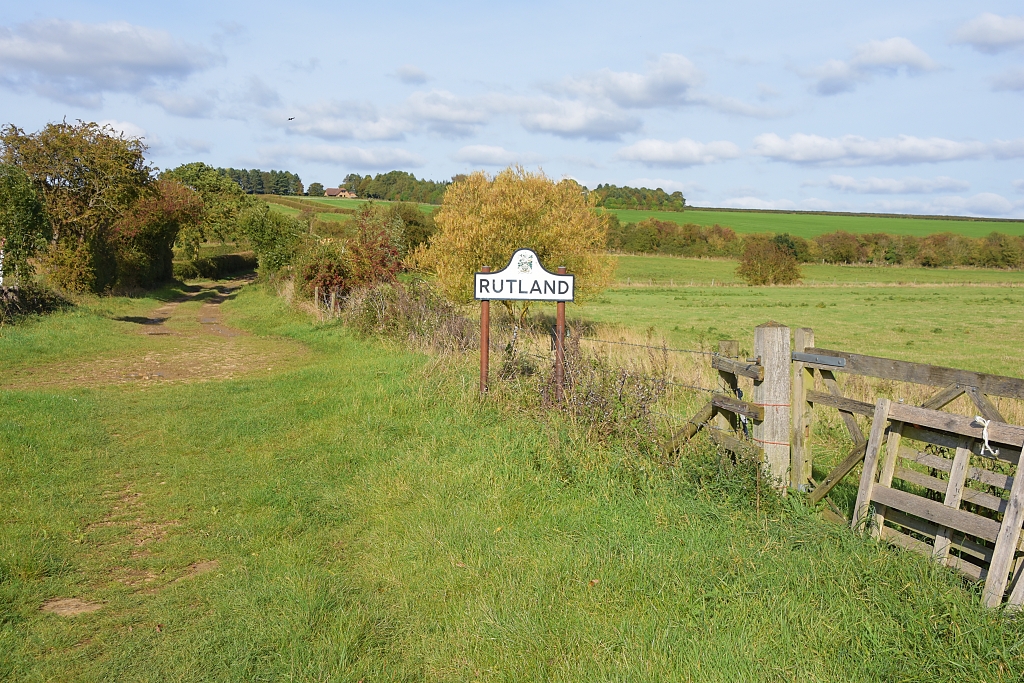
[(483, 221)]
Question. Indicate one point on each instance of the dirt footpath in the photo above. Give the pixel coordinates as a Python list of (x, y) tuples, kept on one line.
[(184, 347)]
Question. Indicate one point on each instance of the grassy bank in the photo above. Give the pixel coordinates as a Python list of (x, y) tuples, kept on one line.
[(360, 515)]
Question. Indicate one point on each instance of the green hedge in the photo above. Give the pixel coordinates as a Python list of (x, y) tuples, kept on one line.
[(215, 267)]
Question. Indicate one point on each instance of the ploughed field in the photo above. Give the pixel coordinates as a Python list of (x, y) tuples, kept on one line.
[(206, 484)]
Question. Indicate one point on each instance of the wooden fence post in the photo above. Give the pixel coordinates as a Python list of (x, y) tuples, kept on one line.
[(729, 349), (803, 379), (485, 339), (772, 348)]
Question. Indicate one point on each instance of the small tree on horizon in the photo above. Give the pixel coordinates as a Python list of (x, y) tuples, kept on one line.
[(483, 221), (766, 261)]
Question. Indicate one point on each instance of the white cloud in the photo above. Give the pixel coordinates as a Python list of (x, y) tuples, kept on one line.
[(355, 157), (124, 128), (670, 81), (991, 33), (259, 93), (411, 75), (75, 62), (909, 185), (684, 152), (180, 104), (1012, 79), (336, 120), (874, 57), (193, 145), (449, 114), (852, 150), (666, 83), (488, 155), (1018, 185), (574, 119)]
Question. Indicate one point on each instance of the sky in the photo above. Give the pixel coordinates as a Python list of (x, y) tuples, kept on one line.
[(903, 107)]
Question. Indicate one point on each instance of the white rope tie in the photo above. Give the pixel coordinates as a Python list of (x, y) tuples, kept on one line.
[(984, 434)]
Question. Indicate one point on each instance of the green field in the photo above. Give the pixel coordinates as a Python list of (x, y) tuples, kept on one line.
[(809, 225), (325, 508), (684, 271), (805, 225)]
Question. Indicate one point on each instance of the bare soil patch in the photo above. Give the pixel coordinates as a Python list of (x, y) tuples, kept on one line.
[(69, 607)]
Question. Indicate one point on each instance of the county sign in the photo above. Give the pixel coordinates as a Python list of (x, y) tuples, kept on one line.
[(524, 279)]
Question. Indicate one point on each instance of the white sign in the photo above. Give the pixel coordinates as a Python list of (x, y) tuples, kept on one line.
[(524, 279)]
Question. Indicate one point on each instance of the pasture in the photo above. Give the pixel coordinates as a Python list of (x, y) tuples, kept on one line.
[(264, 497), (808, 225)]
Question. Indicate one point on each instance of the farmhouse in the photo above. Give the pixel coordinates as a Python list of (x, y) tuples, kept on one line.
[(339, 192)]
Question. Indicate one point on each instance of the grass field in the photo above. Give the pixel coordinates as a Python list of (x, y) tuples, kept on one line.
[(683, 271), (805, 225), (353, 512), (809, 225)]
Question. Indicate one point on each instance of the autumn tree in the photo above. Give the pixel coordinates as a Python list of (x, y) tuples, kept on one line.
[(767, 261), (483, 221)]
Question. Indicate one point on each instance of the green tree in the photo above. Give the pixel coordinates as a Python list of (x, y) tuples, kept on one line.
[(274, 237), (222, 201), (483, 221), (87, 176), (24, 227), (316, 190)]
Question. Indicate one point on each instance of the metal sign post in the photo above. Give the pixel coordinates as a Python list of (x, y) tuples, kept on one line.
[(485, 338), (524, 279)]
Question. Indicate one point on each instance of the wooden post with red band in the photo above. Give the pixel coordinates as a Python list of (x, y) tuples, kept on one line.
[(485, 338)]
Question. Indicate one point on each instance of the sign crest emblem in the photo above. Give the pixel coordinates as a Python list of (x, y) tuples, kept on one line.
[(525, 262)]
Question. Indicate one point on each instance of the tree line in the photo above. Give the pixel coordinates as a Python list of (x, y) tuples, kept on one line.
[(613, 197), (255, 181), (653, 236)]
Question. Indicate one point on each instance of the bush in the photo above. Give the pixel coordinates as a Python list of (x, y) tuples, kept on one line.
[(275, 238), (764, 262), (28, 299), (325, 267), (375, 254), (840, 247), (415, 313)]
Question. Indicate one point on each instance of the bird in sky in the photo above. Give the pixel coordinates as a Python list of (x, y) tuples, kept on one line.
[(291, 118)]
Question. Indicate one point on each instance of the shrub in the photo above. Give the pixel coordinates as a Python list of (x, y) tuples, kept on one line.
[(375, 254), (840, 247), (417, 314), (764, 262), (28, 299), (275, 238), (325, 267)]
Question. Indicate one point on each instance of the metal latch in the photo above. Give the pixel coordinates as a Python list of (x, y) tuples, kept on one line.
[(819, 360)]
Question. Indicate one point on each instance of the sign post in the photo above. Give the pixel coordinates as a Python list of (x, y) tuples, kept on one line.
[(485, 338), (524, 279)]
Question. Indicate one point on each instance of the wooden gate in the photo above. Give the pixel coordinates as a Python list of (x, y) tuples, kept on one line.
[(961, 531)]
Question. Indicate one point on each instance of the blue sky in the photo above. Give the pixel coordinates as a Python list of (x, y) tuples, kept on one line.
[(873, 106)]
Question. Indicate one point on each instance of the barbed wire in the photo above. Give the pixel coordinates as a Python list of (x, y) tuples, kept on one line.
[(648, 346)]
